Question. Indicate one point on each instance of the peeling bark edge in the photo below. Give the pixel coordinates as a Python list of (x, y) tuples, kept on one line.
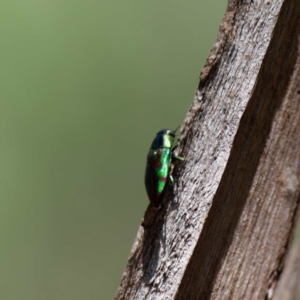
[(223, 38), (288, 287)]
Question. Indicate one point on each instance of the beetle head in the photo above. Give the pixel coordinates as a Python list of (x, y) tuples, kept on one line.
[(166, 131), (164, 139)]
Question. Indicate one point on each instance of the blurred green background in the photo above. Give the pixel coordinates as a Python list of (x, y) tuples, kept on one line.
[(85, 86)]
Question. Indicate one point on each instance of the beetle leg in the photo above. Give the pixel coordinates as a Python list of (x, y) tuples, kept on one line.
[(171, 179), (178, 158), (178, 143)]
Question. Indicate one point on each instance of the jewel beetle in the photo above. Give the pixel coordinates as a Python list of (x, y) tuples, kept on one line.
[(159, 160)]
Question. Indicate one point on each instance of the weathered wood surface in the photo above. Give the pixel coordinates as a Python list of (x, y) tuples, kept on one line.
[(224, 230), (289, 284)]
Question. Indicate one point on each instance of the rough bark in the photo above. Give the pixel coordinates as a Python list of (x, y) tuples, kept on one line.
[(223, 231), (288, 287)]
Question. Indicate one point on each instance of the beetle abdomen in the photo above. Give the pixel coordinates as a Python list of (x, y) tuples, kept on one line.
[(157, 171)]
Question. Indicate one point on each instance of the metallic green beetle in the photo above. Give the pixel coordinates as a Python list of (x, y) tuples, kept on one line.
[(159, 160)]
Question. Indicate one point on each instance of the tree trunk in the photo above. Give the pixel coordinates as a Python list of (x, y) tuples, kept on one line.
[(224, 230)]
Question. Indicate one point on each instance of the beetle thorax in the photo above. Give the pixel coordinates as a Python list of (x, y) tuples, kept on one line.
[(163, 140)]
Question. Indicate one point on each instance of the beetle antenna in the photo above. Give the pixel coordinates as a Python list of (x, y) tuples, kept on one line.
[(177, 128)]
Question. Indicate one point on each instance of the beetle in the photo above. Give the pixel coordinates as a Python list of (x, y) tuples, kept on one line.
[(158, 170)]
